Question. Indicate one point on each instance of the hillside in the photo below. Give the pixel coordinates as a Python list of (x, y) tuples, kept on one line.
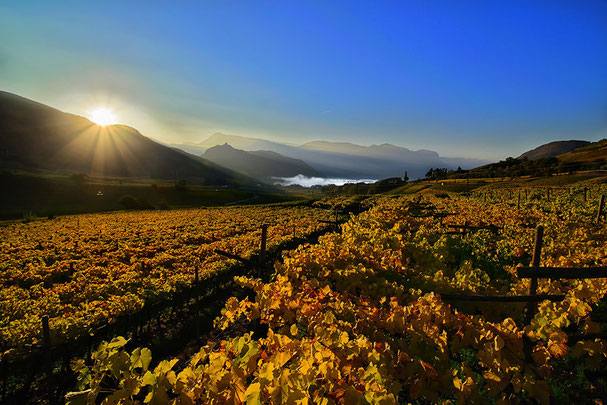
[(258, 164), (35, 136), (553, 149), (591, 154)]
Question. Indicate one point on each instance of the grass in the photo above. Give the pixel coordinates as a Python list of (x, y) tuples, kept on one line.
[(461, 186), (42, 196)]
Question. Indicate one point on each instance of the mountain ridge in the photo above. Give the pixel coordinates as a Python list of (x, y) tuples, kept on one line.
[(553, 149), (349, 160), (66, 142), (259, 164)]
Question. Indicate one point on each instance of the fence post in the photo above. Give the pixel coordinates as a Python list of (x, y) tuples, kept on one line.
[(537, 251), (262, 253), (336, 226), (46, 332), (518, 204), (600, 211), (46, 345)]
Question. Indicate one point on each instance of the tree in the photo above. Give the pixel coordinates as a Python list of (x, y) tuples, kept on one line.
[(129, 202), (79, 179), (406, 177)]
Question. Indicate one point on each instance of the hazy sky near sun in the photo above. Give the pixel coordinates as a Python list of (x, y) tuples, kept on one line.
[(483, 79)]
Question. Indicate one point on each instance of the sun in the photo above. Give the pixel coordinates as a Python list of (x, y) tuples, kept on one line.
[(102, 116)]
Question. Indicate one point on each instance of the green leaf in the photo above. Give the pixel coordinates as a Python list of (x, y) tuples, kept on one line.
[(119, 363), (165, 366), (148, 379), (252, 394), (117, 342), (141, 358)]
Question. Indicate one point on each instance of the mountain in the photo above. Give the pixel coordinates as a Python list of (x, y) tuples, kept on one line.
[(245, 143), (36, 136), (189, 147), (384, 150), (260, 164), (348, 160), (553, 149)]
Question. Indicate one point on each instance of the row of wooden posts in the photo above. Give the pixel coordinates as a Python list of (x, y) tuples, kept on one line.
[(260, 265), (518, 204), (44, 350), (548, 193), (535, 272)]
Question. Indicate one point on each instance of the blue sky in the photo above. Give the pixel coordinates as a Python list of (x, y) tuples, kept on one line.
[(476, 79)]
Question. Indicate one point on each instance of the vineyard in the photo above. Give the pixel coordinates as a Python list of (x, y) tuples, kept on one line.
[(86, 270), (359, 317)]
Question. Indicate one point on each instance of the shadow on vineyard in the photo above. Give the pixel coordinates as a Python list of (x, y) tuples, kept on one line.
[(168, 327)]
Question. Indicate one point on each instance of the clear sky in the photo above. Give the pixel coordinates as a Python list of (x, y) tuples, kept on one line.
[(482, 79)]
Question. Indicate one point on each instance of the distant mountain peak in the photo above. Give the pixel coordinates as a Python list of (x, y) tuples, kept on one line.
[(345, 159), (260, 164)]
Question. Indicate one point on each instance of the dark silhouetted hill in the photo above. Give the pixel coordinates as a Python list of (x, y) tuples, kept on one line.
[(259, 164), (593, 156), (35, 136), (553, 149)]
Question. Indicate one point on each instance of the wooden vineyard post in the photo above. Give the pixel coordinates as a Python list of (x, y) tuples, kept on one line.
[(585, 193), (537, 251), (336, 217), (46, 332), (525, 195), (518, 204), (600, 211), (46, 343), (262, 262), (548, 194), (262, 252)]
